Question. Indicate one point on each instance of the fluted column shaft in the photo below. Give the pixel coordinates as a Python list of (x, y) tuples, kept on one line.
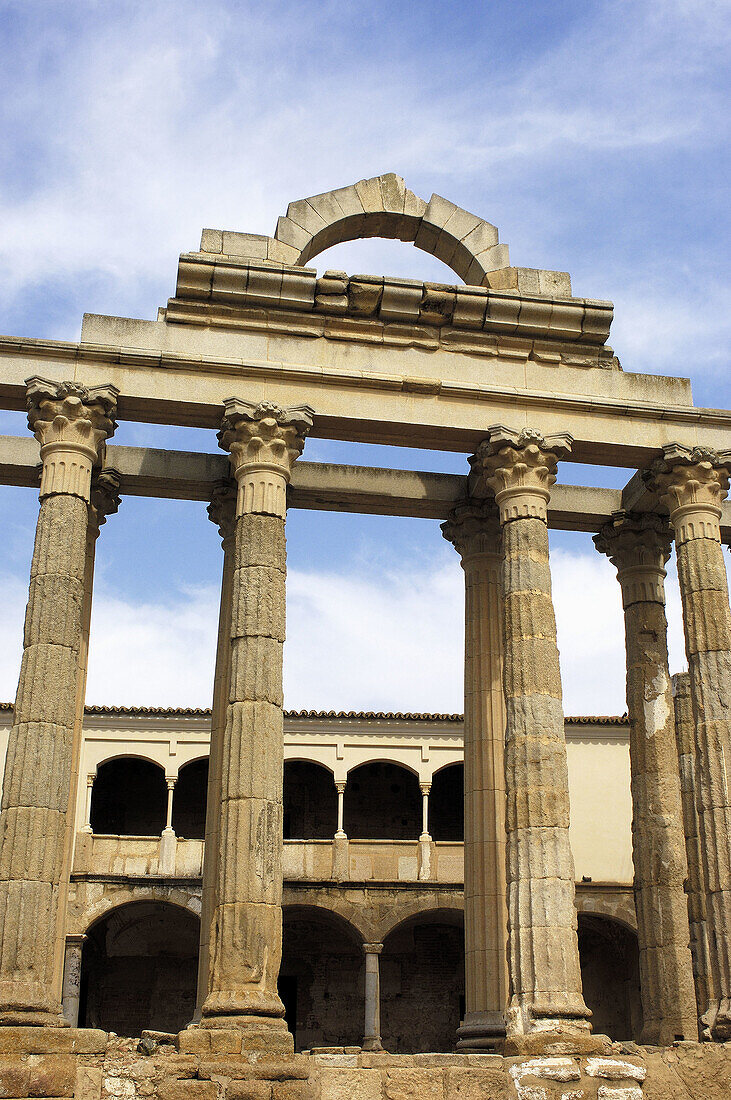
[(696, 888), (222, 512), (474, 529), (544, 957), (71, 424), (246, 932), (638, 547), (692, 484)]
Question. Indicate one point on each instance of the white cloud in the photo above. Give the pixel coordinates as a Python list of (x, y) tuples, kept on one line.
[(373, 640)]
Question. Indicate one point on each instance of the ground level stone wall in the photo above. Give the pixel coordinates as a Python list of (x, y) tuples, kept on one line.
[(85, 1065)]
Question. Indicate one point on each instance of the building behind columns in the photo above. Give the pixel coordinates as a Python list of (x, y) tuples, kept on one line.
[(134, 904)]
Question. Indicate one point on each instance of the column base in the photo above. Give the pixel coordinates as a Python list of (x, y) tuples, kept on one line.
[(244, 1034), (17, 1018), (372, 1043), (480, 1033), (716, 1022)]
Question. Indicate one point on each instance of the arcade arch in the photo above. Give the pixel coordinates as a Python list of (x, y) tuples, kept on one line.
[(610, 974), (129, 798), (382, 802), (139, 967)]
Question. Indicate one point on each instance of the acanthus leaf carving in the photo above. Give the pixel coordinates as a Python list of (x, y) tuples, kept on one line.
[(520, 468)]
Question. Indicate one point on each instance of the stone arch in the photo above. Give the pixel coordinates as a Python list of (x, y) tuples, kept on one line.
[(446, 803), (129, 797), (353, 915), (321, 977), (189, 799), (384, 207), (310, 800), (139, 968), (382, 802), (413, 911), (423, 981), (86, 915), (617, 905), (610, 974)]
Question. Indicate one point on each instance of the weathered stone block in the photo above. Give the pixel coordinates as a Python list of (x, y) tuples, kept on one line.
[(248, 1090), (351, 1084), (195, 1041), (186, 1090), (414, 1084), (52, 1074), (14, 1079), (88, 1083), (476, 1084), (293, 1090)]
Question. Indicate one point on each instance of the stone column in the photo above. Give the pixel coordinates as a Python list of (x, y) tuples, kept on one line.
[(696, 888), (692, 483), (547, 1001), (246, 934), (340, 833), (639, 546), (71, 423), (425, 788), (168, 839), (372, 1024), (222, 512), (72, 978), (90, 780), (474, 529), (104, 501), (425, 840)]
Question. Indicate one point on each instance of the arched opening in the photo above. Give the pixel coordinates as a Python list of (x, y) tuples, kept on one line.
[(129, 798), (138, 969), (321, 978), (610, 973), (310, 801), (382, 802), (189, 800), (446, 804), (422, 983)]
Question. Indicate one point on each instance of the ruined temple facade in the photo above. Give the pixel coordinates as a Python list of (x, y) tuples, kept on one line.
[(514, 371)]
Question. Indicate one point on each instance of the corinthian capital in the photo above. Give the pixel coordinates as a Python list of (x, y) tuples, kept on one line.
[(638, 546), (692, 483), (473, 528), (222, 509), (72, 424), (520, 468), (105, 498), (264, 442)]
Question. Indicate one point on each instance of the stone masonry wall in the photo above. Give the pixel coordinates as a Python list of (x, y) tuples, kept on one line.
[(84, 1065)]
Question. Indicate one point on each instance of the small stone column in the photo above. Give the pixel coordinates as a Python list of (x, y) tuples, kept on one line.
[(425, 840), (222, 512), (71, 423), (72, 978), (246, 931), (340, 833), (168, 839), (692, 483), (90, 780), (639, 546), (372, 1024), (547, 1001), (696, 888), (474, 529)]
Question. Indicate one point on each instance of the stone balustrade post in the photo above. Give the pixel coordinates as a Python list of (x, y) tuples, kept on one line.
[(72, 424), (696, 886), (170, 781), (547, 1004), (692, 483), (264, 441), (372, 1022), (222, 512), (474, 530), (639, 546)]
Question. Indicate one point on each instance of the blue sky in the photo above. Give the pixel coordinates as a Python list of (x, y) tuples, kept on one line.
[(594, 136)]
